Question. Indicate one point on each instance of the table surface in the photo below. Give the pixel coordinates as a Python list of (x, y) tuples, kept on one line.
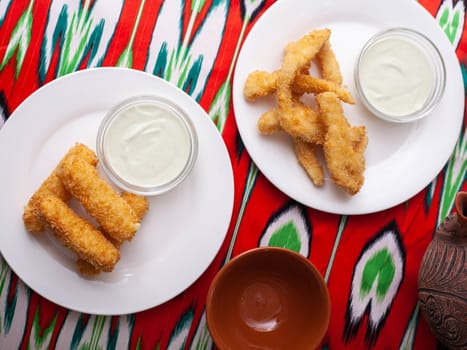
[(33, 51)]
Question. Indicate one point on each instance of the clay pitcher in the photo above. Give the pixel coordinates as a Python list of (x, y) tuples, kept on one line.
[(442, 279)]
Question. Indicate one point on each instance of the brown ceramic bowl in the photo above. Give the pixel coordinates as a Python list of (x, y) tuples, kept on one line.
[(268, 298)]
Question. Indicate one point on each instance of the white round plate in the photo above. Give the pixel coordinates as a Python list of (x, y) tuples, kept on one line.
[(180, 234), (400, 159)]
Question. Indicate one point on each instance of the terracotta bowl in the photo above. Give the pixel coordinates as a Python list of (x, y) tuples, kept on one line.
[(268, 298)]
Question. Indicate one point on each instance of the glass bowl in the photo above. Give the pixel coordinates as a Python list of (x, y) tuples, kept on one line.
[(400, 75), (147, 145)]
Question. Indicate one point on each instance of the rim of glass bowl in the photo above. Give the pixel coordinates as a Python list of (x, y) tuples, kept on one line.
[(435, 58), (166, 104)]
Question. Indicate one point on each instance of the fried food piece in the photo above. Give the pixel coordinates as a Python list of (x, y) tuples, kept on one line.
[(328, 64), (359, 138), (343, 144), (86, 269), (306, 156), (140, 206), (77, 234), (259, 84), (304, 84), (301, 121), (100, 200), (262, 83), (297, 55), (53, 186), (344, 160), (268, 122)]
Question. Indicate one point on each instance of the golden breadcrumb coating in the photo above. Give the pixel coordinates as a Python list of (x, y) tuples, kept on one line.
[(100, 200), (297, 55), (53, 186), (345, 161), (261, 84), (268, 122), (306, 156), (140, 206), (301, 121), (86, 269), (305, 84), (77, 234), (328, 64)]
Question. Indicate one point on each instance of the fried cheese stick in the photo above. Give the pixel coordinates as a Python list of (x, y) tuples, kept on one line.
[(344, 157), (77, 234), (140, 206), (53, 186), (261, 83), (100, 200)]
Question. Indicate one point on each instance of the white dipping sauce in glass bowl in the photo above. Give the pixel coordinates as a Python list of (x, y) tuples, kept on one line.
[(400, 75), (147, 145)]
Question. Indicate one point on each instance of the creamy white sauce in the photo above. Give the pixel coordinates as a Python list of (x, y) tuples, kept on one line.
[(147, 145), (396, 76)]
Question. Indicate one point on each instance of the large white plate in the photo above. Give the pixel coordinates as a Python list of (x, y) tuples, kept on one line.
[(401, 159), (181, 232)]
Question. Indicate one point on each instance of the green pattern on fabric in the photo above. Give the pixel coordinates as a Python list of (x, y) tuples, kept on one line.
[(72, 57), (41, 335), (286, 236), (126, 58), (197, 6), (19, 40), (219, 109), (450, 28), (96, 334), (379, 267), (456, 171), (450, 21), (204, 340)]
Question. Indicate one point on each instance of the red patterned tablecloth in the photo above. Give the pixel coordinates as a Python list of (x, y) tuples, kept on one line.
[(42, 40)]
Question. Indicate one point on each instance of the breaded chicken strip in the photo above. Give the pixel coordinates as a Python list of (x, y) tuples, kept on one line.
[(344, 157), (100, 200), (359, 138), (77, 234), (140, 206), (268, 122), (328, 64), (53, 186), (306, 156), (301, 121), (297, 55), (307, 84), (261, 84)]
